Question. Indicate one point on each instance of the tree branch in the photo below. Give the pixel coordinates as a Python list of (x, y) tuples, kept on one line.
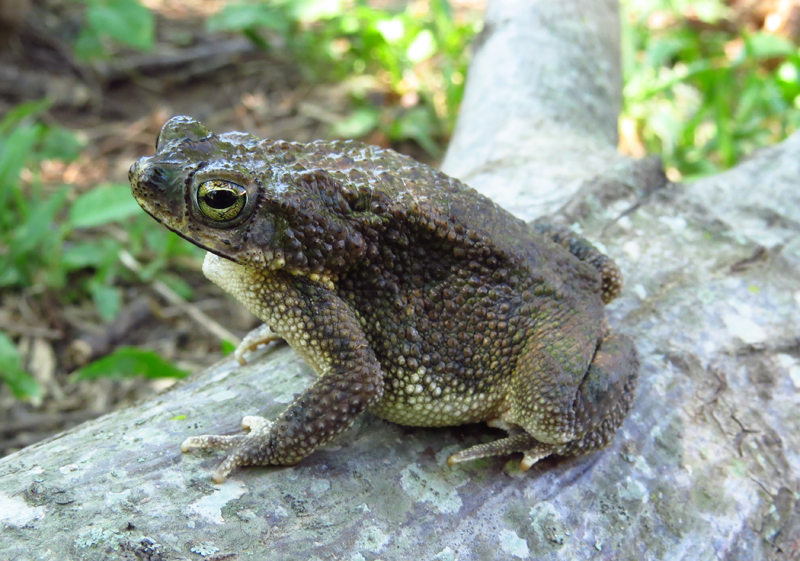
[(539, 115)]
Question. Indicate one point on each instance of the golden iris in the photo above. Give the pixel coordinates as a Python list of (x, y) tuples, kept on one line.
[(221, 200)]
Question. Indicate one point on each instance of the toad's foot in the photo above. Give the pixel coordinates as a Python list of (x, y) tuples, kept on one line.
[(248, 449), (261, 335), (522, 442)]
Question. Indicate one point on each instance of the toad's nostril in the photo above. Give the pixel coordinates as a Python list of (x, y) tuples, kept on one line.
[(135, 170), (156, 179)]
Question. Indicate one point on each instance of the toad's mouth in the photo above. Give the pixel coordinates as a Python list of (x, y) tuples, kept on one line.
[(193, 241)]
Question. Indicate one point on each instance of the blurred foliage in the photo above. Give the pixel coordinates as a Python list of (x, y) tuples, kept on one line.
[(698, 90), (22, 384), (46, 237), (417, 57), (127, 362), (110, 22), (701, 93)]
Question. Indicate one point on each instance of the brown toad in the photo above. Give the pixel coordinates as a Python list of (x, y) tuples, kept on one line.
[(410, 294)]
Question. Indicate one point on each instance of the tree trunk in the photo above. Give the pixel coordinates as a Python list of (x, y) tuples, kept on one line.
[(705, 467)]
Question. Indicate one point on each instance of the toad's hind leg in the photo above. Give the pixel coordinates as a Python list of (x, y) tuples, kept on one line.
[(517, 442), (579, 418), (610, 274), (583, 421), (605, 395)]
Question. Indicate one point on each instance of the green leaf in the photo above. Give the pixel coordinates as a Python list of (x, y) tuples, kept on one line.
[(39, 224), (9, 274), (227, 347), (88, 45), (362, 121), (442, 11), (127, 362), (176, 245), (660, 52), (14, 152), (127, 21), (180, 286), (22, 384), (238, 17), (83, 255), (151, 269), (102, 205), (709, 11), (767, 45), (107, 299), (256, 38), (417, 124), (60, 144), (24, 111)]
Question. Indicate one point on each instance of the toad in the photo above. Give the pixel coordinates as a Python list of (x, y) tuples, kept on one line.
[(410, 295)]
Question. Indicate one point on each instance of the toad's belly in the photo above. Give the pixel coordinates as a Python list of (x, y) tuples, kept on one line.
[(408, 406)]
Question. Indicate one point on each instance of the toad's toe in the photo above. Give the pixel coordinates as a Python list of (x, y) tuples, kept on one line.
[(247, 449), (515, 443)]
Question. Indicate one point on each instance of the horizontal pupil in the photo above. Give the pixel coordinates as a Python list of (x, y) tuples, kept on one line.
[(220, 199)]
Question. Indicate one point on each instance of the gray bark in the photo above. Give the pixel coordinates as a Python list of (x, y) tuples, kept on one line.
[(539, 115), (705, 467)]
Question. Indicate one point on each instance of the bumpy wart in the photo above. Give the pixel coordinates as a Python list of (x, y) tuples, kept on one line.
[(410, 294)]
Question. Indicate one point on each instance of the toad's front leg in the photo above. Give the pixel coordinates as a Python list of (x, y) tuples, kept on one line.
[(326, 333)]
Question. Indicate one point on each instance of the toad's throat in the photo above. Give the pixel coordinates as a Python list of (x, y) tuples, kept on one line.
[(223, 272), (251, 287), (255, 286)]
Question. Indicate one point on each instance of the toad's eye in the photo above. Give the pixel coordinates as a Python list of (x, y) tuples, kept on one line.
[(221, 200)]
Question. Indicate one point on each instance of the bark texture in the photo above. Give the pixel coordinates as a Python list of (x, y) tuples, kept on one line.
[(707, 466)]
